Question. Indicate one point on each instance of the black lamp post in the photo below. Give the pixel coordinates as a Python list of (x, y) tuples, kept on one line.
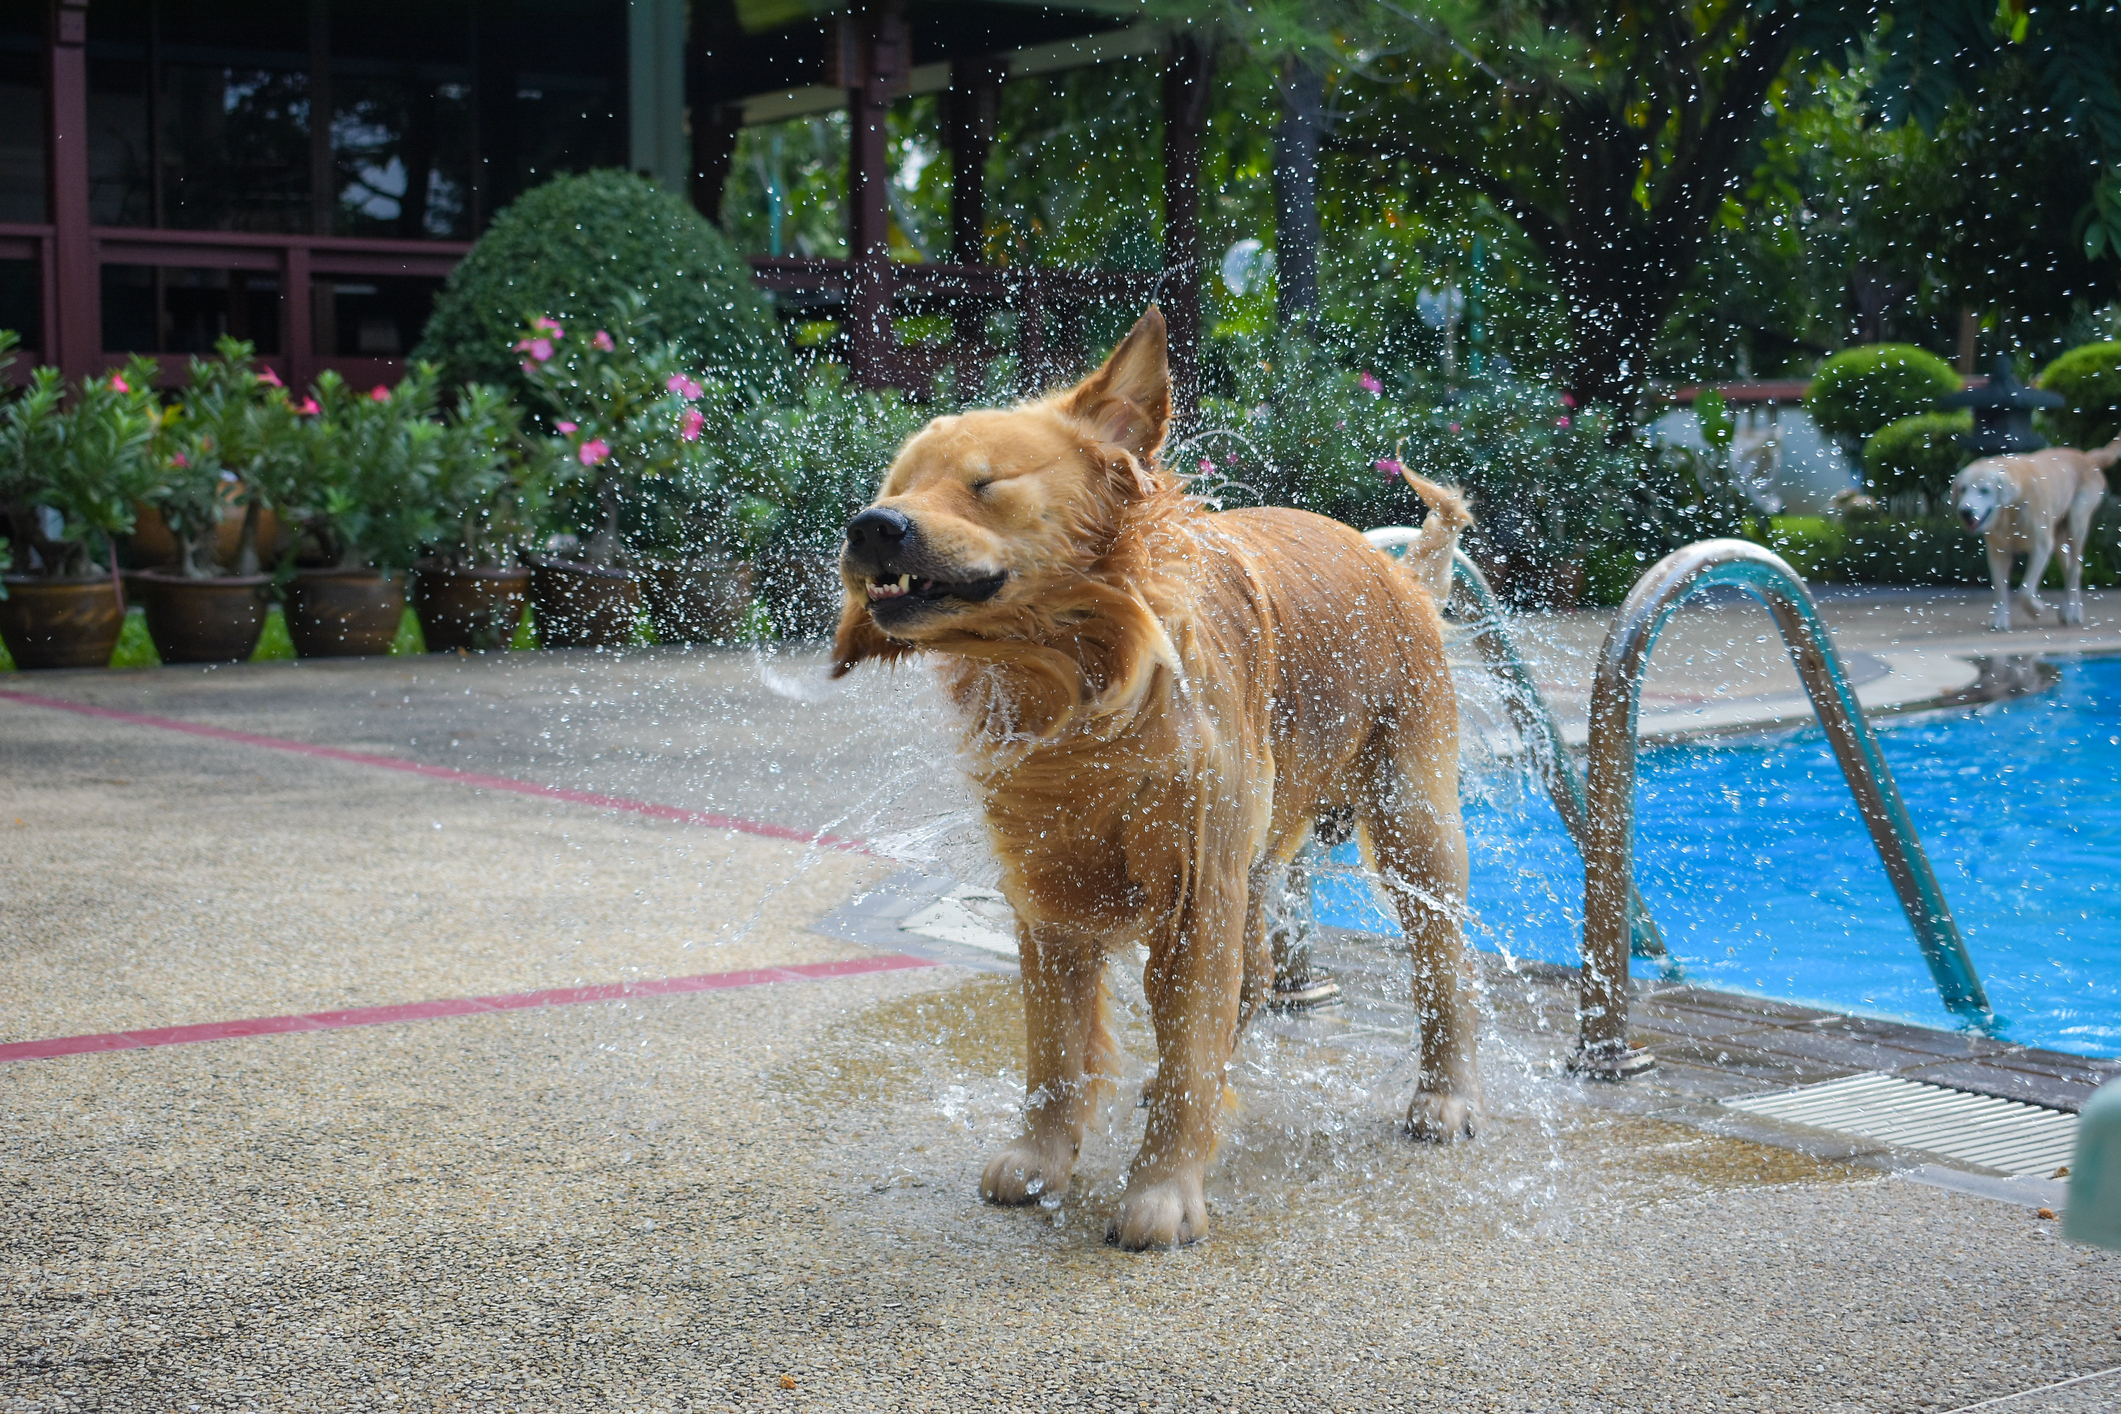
[(2003, 413)]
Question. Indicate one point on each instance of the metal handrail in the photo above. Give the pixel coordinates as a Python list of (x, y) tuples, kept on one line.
[(1602, 1011), (1534, 721)]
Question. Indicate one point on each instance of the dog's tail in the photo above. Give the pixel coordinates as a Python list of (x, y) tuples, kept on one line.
[(1430, 556), (2104, 457)]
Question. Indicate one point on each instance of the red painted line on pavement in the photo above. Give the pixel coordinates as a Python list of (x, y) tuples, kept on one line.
[(452, 1006), (707, 818)]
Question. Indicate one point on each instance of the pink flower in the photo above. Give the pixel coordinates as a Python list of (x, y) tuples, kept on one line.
[(269, 378), (1391, 468), (684, 387), (1567, 401), (540, 349), (566, 426), (602, 340), (1206, 465), (1454, 427), (530, 367), (119, 385), (379, 393), (1370, 384), (690, 424), (593, 451), (179, 459), (308, 407), (1561, 422), (549, 326)]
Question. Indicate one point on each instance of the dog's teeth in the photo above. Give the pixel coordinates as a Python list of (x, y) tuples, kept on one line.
[(905, 582)]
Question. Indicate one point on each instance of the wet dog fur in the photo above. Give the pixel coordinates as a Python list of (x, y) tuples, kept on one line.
[(1161, 700), (2034, 504)]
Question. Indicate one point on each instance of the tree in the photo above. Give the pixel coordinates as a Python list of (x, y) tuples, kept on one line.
[(1612, 134)]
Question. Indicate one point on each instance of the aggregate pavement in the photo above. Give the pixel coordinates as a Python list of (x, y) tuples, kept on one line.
[(765, 1196)]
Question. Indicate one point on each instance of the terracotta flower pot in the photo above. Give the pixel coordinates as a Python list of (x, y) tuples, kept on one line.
[(474, 608), (344, 613), (202, 620), (698, 603), (582, 606), (61, 623), (803, 593)]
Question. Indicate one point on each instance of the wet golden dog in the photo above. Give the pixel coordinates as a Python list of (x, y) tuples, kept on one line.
[(2034, 504), (1161, 701)]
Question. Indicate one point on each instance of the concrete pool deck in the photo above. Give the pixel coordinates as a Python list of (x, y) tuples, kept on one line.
[(759, 1191)]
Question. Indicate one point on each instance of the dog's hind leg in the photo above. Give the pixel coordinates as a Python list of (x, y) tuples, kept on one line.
[(1068, 1055), (2077, 526), (1999, 575), (1416, 840)]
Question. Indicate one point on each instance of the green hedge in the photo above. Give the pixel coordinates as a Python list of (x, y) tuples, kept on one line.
[(1860, 390), (1909, 552), (1919, 453), (2089, 377), (573, 250)]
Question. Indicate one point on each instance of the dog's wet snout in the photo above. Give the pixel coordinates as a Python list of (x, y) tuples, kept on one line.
[(877, 534)]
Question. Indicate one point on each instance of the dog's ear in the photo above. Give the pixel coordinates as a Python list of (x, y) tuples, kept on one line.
[(1128, 401), (859, 638)]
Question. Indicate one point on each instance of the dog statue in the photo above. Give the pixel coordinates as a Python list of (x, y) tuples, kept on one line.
[(2034, 503), (1161, 702)]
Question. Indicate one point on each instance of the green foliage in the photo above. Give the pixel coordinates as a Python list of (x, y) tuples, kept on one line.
[(667, 466), (830, 451), (575, 249), (360, 495), (1918, 453), (1860, 390), (70, 474), (493, 484), (2089, 378), (233, 434)]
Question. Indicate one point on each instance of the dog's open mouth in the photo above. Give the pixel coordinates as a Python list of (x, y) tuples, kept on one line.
[(906, 593)]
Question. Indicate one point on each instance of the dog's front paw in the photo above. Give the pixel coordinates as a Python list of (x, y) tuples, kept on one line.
[(1169, 1213), (2000, 621), (1024, 1172), (1440, 1116), (2073, 610)]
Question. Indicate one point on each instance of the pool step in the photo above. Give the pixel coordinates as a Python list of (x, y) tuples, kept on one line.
[(2008, 1136)]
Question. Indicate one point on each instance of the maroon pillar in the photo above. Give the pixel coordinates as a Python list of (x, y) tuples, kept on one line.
[(73, 331), (880, 73), (1188, 75), (969, 112)]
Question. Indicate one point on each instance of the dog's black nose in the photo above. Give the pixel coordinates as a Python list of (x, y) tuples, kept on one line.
[(879, 530)]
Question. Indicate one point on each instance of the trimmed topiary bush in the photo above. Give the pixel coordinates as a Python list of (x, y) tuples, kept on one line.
[(1918, 453), (2089, 378), (1860, 390), (573, 250)]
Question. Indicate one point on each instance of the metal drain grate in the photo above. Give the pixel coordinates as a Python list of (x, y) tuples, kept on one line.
[(2015, 1138)]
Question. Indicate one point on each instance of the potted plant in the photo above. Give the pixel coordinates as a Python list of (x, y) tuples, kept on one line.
[(69, 477), (671, 489), (228, 442), (491, 490), (359, 513), (830, 449)]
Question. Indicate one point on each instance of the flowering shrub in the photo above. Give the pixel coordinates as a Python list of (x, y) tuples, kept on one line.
[(232, 438), (70, 474), (667, 463), (493, 483), (361, 496)]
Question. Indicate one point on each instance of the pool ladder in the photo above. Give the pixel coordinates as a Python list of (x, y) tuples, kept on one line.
[(1599, 811)]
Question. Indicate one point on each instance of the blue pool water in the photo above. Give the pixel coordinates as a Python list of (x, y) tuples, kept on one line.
[(1760, 874)]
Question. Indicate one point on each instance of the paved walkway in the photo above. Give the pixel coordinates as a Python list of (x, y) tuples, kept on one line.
[(757, 1188)]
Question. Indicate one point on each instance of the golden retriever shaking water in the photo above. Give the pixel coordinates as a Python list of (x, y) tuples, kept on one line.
[(1161, 701)]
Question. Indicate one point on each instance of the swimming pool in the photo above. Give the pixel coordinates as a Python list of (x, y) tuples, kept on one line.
[(1760, 874)]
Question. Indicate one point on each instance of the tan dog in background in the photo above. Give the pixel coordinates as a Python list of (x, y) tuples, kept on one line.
[(2034, 504), (1162, 700)]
